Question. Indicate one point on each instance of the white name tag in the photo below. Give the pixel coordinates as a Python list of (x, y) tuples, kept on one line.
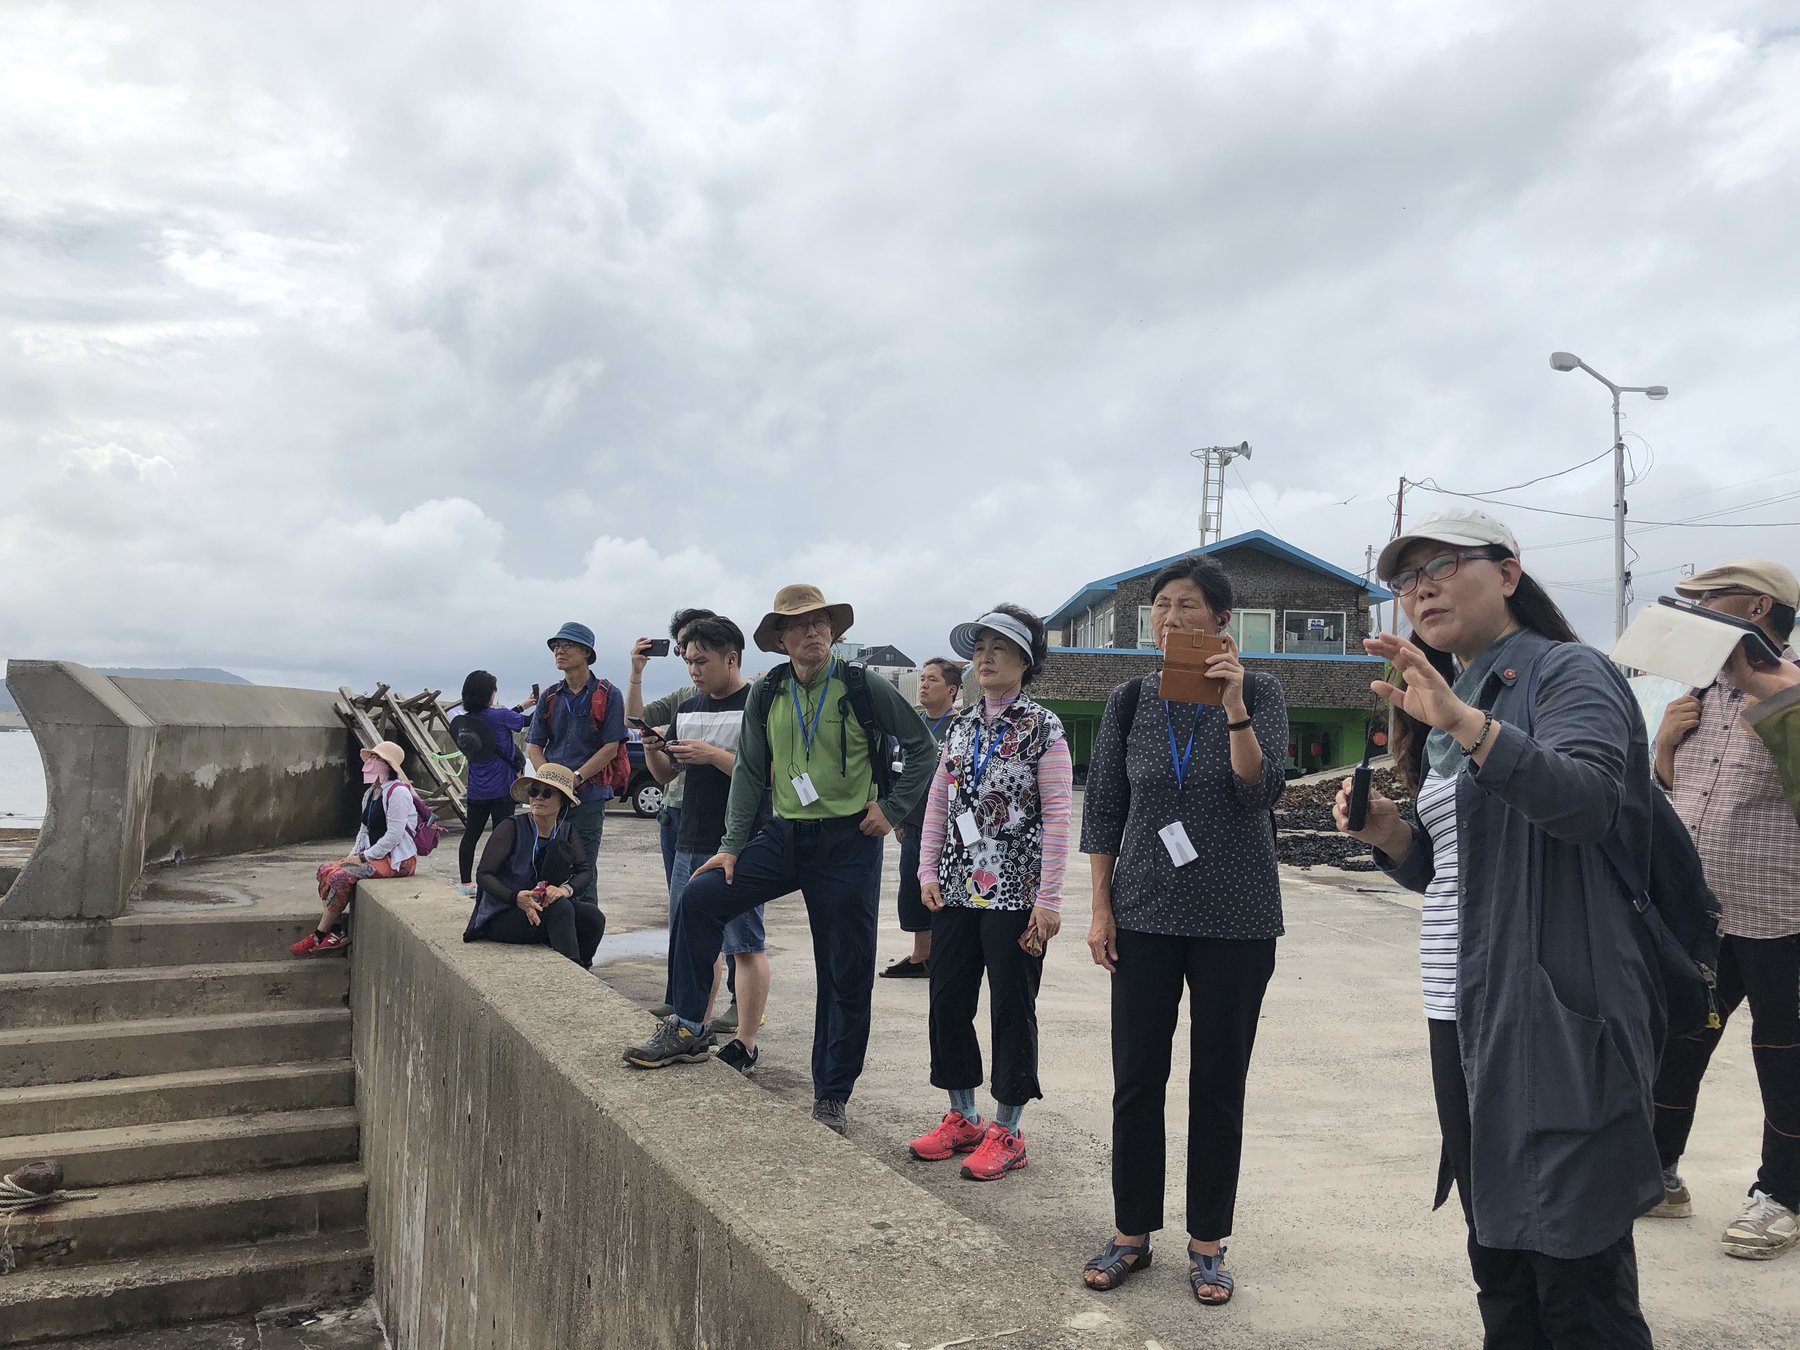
[(966, 828), (804, 789), (1175, 839)]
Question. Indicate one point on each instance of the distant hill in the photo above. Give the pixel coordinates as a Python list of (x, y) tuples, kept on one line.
[(205, 674)]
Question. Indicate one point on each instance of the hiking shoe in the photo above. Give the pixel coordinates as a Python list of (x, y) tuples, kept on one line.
[(672, 1044), (1765, 1229), (832, 1115), (955, 1133), (1000, 1153), (663, 1010), (725, 1021), (737, 1057), (1676, 1202), (906, 969), (334, 941), (306, 945)]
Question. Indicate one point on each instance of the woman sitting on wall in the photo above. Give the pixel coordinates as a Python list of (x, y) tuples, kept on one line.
[(531, 870), (384, 846)]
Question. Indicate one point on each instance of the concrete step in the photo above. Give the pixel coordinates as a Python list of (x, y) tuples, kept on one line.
[(71, 997), (34, 1055), (246, 934), (188, 1287), (191, 1214), (195, 1094), (191, 1148)]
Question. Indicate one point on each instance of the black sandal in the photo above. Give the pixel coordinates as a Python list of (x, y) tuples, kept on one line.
[(1204, 1271), (1115, 1262)]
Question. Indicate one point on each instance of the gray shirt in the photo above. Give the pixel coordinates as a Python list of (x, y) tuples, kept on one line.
[(1232, 889)]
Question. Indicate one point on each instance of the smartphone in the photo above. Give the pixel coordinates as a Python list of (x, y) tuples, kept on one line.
[(637, 722), (657, 647)]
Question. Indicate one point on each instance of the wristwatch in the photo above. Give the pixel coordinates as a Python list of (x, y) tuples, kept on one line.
[(579, 780)]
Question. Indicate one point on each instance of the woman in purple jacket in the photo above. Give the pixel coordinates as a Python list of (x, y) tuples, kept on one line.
[(484, 734)]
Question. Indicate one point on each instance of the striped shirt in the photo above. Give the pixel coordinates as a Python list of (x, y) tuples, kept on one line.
[(1728, 793), (1438, 920)]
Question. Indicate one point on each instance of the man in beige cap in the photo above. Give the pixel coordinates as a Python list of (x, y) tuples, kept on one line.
[(1727, 788), (818, 738)]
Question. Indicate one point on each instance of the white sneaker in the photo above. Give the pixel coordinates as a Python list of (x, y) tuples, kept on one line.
[(469, 889), (1763, 1231)]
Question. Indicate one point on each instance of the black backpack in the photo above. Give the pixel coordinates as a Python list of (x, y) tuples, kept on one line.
[(884, 755), (1676, 904)]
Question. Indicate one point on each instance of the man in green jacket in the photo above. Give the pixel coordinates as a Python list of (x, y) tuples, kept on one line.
[(804, 741)]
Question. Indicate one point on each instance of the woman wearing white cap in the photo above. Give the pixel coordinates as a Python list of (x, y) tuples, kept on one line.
[(384, 846), (991, 858), (1529, 759)]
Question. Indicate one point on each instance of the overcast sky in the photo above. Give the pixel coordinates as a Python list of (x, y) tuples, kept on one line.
[(335, 350)]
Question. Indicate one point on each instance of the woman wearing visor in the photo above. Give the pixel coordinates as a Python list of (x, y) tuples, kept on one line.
[(991, 857)]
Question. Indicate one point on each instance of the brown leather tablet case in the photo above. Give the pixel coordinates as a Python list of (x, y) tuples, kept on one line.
[(1184, 664)]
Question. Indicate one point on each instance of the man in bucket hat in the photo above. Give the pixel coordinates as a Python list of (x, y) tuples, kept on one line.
[(818, 730), (579, 723), (1728, 789)]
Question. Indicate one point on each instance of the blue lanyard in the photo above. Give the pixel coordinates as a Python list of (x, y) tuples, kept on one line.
[(807, 734), (1180, 758), (978, 762), (938, 725)]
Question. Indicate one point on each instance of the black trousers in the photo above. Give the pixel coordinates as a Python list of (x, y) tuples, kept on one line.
[(965, 944), (1225, 981), (914, 917), (481, 815), (1766, 971), (572, 928), (1530, 1301)]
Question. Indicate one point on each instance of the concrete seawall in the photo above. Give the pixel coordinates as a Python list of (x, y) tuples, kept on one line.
[(528, 1190)]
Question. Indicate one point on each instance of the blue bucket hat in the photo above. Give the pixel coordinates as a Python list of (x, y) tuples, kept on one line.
[(576, 632)]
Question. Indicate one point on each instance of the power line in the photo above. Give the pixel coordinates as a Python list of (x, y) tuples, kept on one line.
[(1691, 523), (1430, 484)]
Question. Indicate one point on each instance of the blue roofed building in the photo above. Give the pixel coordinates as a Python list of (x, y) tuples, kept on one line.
[(1298, 617)]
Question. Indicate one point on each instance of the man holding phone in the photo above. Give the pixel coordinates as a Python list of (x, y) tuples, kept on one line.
[(1728, 790), (651, 720)]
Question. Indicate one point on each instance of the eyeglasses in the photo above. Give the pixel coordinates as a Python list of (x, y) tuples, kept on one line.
[(535, 791), (805, 623), (1440, 568), (1706, 597)]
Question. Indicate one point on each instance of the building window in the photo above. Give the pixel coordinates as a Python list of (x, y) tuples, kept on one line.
[(1103, 628), (1313, 632), (1145, 638), (1253, 629)]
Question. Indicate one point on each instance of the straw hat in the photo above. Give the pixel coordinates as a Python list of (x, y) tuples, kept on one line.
[(550, 775), (393, 755), (793, 601)]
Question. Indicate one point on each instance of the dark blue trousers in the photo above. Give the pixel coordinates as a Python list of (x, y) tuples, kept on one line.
[(837, 869)]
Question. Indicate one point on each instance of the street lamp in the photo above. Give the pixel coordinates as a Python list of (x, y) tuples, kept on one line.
[(1567, 361)]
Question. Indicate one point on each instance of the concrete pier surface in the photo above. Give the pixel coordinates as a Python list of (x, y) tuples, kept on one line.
[(1336, 1244)]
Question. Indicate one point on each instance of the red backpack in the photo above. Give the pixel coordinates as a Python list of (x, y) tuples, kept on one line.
[(617, 773)]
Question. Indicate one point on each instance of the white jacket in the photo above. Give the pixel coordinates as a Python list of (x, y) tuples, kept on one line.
[(402, 819)]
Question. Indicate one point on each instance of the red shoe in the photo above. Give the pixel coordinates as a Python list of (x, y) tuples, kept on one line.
[(306, 945), (336, 940), (954, 1134), (999, 1154)]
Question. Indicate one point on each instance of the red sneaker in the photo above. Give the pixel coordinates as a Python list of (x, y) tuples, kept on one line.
[(305, 946), (954, 1134), (336, 940), (999, 1154)]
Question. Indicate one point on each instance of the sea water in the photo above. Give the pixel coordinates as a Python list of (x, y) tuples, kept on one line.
[(21, 781)]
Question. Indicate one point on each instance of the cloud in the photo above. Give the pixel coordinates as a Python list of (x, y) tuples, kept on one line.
[(341, 349)]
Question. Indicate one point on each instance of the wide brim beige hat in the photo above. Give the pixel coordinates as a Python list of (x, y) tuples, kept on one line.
[(550, 775), (1759, 576), (793, 601), (393, 755)]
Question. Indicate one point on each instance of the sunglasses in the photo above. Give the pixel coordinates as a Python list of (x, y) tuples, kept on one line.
[(535, 791), (1440, 568)]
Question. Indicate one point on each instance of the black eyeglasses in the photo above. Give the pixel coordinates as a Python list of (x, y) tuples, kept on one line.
[(535, 791), (1440, 568)]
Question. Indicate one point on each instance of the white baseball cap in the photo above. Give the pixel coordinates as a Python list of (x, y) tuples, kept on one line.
[(1463, 527)]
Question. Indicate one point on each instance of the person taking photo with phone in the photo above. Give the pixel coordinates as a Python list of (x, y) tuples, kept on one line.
[(1185, 896)]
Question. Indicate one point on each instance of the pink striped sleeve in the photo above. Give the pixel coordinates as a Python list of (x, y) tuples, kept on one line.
[(1056, 790), (937, 813)]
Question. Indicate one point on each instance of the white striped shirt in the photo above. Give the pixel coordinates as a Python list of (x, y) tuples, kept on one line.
[(1438, 919)]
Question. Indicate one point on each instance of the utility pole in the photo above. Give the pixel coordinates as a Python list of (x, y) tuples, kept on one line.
[(1369, 576), (1567, 361)]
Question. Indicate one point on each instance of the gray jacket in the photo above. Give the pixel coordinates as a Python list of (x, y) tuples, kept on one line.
[(1559, 1013)]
